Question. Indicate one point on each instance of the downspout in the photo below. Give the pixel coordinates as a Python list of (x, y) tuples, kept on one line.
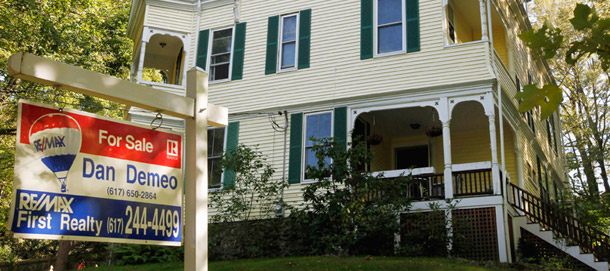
[(501, 124), (197, 32)]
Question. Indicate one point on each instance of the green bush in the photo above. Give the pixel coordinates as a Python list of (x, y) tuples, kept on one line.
[(348, 210), (253, 187), (127, 254)]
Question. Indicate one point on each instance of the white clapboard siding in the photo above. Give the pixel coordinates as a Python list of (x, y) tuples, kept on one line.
[(169, 19), (336, 71)]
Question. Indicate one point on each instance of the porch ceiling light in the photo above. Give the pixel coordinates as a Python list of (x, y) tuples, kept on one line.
[(162, 44)]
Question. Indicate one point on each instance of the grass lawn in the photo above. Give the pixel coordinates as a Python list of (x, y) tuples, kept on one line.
[(318, 264)]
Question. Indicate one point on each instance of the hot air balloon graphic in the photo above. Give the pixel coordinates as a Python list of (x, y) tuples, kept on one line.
[(56, 139)]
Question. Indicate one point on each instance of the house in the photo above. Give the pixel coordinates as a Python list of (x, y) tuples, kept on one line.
[(430, 85)]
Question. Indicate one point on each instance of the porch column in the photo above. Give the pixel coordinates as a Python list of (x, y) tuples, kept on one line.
[(484, 28), (141, 62), (445, 118), (519, 159), (495, 168)]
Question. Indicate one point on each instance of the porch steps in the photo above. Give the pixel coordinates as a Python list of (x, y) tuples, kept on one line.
[(547, 236)]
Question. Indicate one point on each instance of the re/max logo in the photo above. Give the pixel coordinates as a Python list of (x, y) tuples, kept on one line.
[(46, 202), (49, 143)]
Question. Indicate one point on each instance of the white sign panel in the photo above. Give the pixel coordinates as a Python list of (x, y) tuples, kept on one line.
[(79, 176)]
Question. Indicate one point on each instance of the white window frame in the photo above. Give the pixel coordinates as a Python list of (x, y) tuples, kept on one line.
[(281, 43), (304, 142), (450, 20), (210, 47), (224, 150), (376, 31)]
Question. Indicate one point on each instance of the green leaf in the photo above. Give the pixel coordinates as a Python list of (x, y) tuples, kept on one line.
[(548, 98), (544, 42), (581, 18)]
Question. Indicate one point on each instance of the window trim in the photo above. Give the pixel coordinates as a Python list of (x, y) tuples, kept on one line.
[(304, 141), (210, 47), (376, 30), (448, 22), (280, 42), (224, 150)]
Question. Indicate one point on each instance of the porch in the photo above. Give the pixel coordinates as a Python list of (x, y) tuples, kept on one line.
[(450, 153)]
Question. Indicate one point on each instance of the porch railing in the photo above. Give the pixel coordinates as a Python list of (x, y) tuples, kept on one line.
[(563, 224), (472, 182), (427, 186)]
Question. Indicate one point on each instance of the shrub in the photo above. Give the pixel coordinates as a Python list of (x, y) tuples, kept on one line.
[(127, 254), (253, 187), (348, 210)]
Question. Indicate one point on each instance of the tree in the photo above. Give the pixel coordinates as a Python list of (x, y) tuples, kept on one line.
[(586, 36), (582, 78), (86, 33)]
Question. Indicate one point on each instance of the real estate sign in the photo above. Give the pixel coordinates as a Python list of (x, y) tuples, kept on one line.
[(79, 176)]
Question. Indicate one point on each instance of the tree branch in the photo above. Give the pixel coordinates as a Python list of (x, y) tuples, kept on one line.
[(8, 131)]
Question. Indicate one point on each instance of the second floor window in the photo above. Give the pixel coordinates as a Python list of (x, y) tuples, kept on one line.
[(220, 58), (288, 41), (221, 52), (389, 26)]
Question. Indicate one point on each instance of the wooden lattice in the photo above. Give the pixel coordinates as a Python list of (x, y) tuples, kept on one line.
[(475, 234)]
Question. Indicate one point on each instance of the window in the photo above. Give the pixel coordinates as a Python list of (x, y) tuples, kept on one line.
[(388, 27), (216, 142), (530, 114), (225, 60), (288, 38), (411, 157), (288, 42), (220, 57), (551, 132), (317, 125)]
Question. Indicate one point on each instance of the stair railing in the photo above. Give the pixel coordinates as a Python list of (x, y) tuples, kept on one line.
[(563, 224)]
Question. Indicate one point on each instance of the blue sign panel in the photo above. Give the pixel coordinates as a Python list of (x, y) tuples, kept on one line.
[(63, 214)]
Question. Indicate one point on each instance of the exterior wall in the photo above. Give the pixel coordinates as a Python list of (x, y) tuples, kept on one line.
[(170, 19), (336, 71), (470, 146), (464, 32), (337, 76)]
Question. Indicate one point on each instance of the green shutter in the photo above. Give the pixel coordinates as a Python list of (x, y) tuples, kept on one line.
[(366, 29), (304, 38), (272, 36), (340, 126), (238, 51), (202, 48), (232, 141), (412, 25), (296, 143)]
